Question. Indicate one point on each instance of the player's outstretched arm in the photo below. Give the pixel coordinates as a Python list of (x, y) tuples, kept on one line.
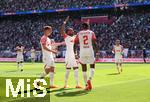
[(47, 49), (58, 44), (62, 30)]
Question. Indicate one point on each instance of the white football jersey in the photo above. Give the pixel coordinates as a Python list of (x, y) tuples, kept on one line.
[(20, 51), (85, 38), (118, 51), (70, 55), (69, 40), (46, 41)]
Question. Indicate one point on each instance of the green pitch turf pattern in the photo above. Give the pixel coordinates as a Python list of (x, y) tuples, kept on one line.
[(133, 85)]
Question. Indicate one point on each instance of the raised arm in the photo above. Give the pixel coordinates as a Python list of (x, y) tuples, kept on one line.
[(88, 22), (62, 30)]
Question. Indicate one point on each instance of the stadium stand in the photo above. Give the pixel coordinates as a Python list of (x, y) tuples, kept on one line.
[(132, 29), (28, 5)]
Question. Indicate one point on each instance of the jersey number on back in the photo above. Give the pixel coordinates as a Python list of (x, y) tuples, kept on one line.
[(85, 38)]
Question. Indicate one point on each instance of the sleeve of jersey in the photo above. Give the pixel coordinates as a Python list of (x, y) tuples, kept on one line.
[(76, 39), (43, 41), (93, 37), (65, 36)]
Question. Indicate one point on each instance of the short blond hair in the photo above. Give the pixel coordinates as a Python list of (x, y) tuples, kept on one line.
[(47, 27)]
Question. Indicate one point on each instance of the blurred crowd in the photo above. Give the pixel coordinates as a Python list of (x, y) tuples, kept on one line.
[(28, 5), (133, 31)]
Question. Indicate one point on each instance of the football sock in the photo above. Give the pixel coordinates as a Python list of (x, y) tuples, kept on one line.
[(85, 77), (92, 70), (51, 78), (21, 65), (66, 76), (118, 68), (18, 66), (76, 76)]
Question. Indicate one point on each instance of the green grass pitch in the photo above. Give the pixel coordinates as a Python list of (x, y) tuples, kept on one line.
[(133, 85)]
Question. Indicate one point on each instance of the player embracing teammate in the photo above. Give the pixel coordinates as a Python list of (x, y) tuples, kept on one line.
[(87, 42), (48, 58), (70, 59)]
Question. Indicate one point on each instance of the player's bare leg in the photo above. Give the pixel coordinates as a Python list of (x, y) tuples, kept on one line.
[(52, 78), (21, 66), (66, 77), (42, 76), (121, 70), (84, 70), (44, 73), (118, 69), (18, 65), (76, 77)]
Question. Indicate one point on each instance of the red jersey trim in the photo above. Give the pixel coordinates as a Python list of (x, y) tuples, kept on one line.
[(43, 40), (65, 36)]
